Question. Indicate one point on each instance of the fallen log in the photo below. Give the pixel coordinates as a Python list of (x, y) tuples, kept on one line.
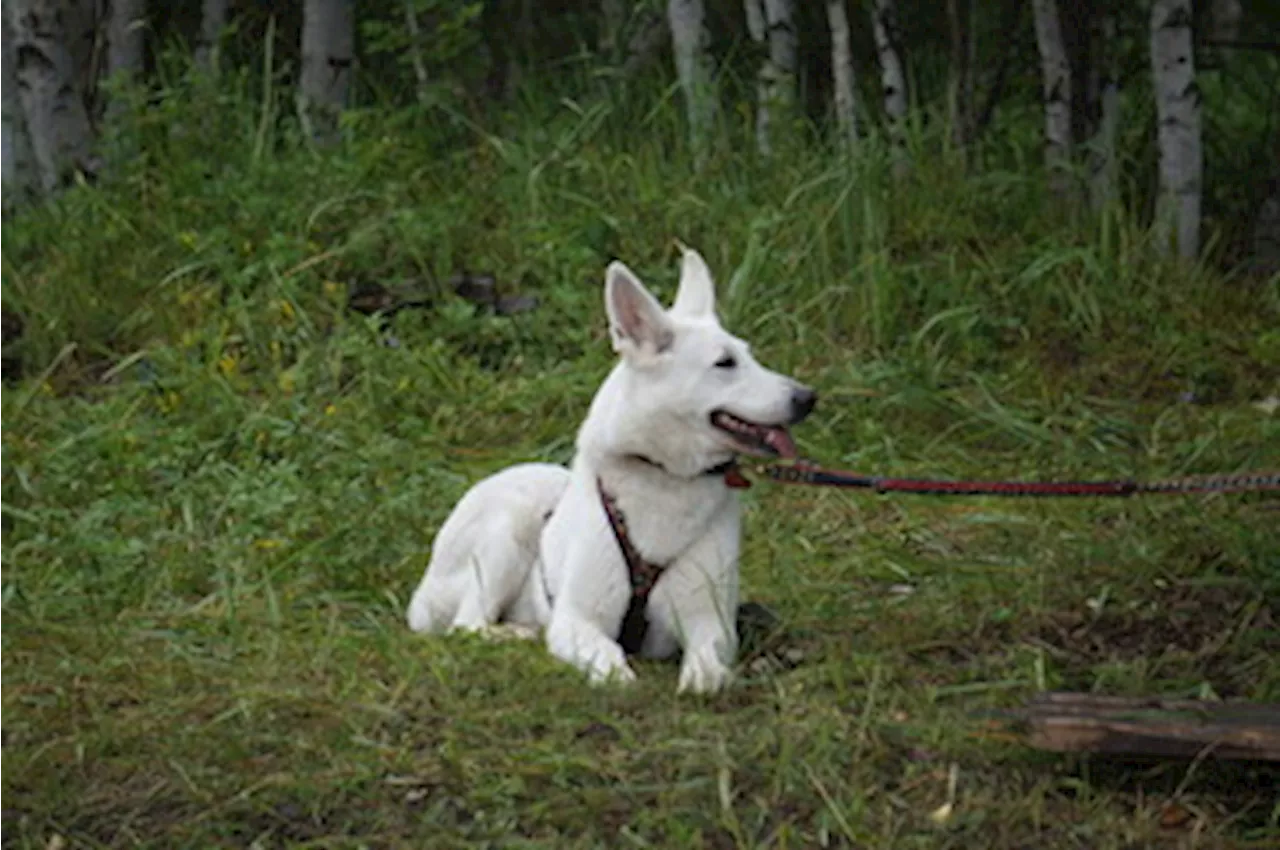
[(1149, 726)]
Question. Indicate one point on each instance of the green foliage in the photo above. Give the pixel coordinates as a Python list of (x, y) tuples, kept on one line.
[(220, 487), (447, 32)]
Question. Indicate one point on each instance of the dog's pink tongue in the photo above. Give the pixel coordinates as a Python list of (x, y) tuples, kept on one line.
[(780, 441)]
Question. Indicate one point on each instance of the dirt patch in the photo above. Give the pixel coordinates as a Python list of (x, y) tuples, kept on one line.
[(1202, 626)]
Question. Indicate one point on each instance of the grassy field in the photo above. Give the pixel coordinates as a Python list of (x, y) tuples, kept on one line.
[(220, 488)]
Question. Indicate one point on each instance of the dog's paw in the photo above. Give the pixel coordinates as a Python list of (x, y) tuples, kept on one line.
[(608, 669), (703, 672)]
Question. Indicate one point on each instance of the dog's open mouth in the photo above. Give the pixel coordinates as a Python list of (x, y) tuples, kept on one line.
[(755, 439)]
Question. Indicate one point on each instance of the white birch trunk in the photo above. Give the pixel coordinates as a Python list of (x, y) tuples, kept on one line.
[(893, 82), (126, 40), (780, 86), (19, 176), (1178, 118), (328, 47), (213, 20), (126, 37), (689, 42), (1056, 92), (842, 72), (1102, 177), (45, 75)]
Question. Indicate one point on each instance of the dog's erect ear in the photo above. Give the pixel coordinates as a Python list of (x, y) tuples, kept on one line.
[(637, 322), (696, 297)]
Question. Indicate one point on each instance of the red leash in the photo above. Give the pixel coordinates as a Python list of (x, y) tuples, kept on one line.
[(803, 472)]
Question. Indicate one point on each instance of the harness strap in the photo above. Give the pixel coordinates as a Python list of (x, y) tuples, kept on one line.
[(643, 575)]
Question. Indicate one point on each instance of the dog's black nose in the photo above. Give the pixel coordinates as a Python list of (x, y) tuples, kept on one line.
[(803, 400)]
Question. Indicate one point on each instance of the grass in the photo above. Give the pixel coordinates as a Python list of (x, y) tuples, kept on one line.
[(220, 488)]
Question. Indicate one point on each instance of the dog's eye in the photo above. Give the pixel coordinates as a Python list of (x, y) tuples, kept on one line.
[(726, 362)]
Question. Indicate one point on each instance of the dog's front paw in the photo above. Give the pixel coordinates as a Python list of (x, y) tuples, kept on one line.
[(703, 672), (606, 668)]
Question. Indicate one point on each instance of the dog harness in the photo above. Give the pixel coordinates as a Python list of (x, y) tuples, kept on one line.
[(643, 575)]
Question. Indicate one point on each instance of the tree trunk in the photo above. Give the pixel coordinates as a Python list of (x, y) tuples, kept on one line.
[(126, 37), (1102, 165), (20, 175), (126, 40), (84, 34), (1056, 72), (213, 20), (893, 81), (779, 16), (1178, 118), (960, 79), (689, 42), (327, 56), (842, 72), (57, 121)]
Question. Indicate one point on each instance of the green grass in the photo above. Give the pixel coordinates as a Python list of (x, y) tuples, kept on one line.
[(219, 490)]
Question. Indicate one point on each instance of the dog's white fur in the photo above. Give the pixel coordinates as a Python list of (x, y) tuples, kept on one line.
[(648, 437), (482, 563)]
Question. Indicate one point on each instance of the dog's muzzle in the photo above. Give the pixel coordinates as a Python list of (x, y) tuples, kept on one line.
[(803, 401)]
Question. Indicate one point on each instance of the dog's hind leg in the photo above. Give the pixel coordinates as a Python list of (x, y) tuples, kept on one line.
[(494, 576)]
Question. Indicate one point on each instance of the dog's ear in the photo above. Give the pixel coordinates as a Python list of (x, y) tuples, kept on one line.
[(637, 322), (696, 297)]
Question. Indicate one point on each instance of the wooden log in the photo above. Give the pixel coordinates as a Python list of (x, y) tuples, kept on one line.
[(1070, 722)]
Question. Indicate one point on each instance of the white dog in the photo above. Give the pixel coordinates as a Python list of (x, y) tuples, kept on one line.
[(641, 546)]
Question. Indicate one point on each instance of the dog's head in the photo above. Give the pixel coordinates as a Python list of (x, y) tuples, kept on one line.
[(692, 390)]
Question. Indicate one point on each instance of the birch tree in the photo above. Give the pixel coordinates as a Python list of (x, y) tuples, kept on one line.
[(842, 72), (126, 37), (1055, 69), (19, 176), (893, 82), (213, 20), (1178, 119), (45, 74), (126, 40), (328, 45), (689, 42), (779, 69)]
